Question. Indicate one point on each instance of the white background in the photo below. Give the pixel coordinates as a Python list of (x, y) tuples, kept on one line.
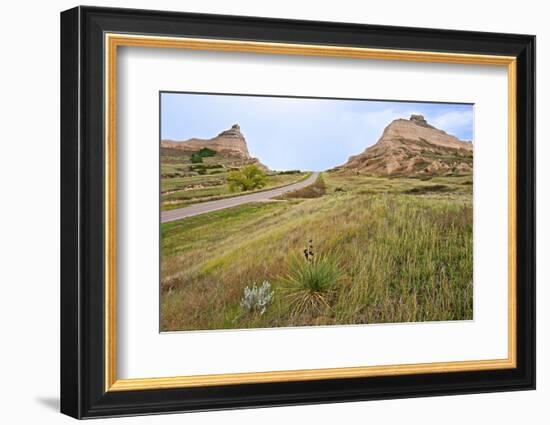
[(143, 72), (29, 229)]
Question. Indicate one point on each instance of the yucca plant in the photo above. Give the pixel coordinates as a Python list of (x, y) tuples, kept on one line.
[(311, 281)]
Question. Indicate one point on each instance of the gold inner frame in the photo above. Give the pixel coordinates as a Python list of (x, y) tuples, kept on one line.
[(113, 41)]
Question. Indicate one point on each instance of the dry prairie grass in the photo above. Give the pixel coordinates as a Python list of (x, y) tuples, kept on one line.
[(402, 257)]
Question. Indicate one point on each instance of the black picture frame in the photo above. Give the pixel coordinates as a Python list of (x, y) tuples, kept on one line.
[(83, 392)]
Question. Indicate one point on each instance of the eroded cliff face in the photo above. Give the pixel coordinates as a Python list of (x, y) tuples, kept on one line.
[(230, 141), (413, 147)]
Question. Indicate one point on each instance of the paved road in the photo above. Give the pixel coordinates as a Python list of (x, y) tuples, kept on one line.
[(205, 207)]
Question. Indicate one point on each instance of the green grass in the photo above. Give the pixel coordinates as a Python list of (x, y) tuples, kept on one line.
[(184, 183), (215, 187), (401, 248), (208, 230)]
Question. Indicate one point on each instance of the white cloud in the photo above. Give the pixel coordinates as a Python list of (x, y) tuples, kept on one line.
[(454, 122)]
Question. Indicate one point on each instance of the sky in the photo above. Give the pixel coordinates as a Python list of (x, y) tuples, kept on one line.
[(301, 133)]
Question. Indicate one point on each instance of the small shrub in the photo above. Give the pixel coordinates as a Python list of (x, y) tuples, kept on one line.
[(428, 189), (199, 168), (203, 169), (256, 299), (205, 152), (315, 190), (196, 158)]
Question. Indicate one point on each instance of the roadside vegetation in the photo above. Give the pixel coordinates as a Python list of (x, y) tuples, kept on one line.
[(314, 190), (188, 178), (348, 249), (249, 177)]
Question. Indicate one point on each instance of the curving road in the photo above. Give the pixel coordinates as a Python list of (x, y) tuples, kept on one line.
[(205, 207)]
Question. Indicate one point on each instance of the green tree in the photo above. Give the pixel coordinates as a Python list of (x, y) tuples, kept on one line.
[(247, 178), (204, 152), (196, 158)]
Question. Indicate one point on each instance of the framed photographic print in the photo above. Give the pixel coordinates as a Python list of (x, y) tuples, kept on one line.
[(261, 212)]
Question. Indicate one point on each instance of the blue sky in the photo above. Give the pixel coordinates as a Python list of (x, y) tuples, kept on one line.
[(306, 134)]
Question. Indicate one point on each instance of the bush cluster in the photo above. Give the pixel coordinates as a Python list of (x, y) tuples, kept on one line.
[(247, 178)]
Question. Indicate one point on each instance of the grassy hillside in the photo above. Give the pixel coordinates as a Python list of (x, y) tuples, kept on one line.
[(184, 182), (385, 250)]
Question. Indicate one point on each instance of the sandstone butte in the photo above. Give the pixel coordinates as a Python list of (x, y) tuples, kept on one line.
[(231, 142), (413, 147), (406, 147)]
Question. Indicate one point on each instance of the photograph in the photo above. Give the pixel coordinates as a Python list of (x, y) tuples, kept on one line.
[(299, 211)]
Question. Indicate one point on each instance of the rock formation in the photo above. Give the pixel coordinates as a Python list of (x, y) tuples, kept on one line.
[(413, 147), (230, 142)]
